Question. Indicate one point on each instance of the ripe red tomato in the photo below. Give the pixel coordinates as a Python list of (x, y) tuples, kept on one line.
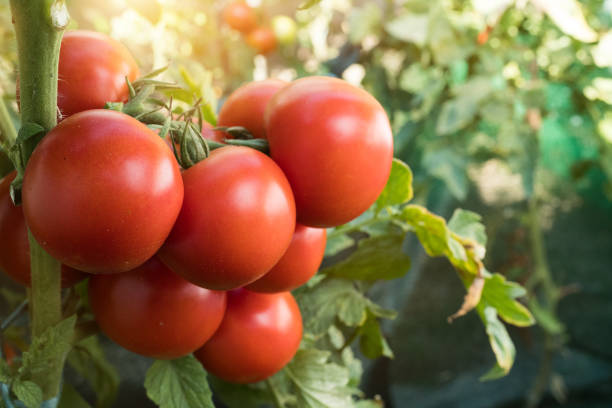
[(154, 312), (334, 143), (14, 244), (298, 264), (262, 39), (101, 192), (246, 106), (237, 220), (240, 16), (92, 71), (260, 333)]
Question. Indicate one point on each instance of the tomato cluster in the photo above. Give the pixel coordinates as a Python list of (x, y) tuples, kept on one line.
[(199, 259), (263, 39)]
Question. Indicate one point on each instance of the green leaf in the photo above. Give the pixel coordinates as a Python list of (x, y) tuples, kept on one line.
[(546, 319), (410, 28), (500, 341), (372, 342), (88, 360), (352, 311), (240, 395), (71, 398), (337, 242), (450, 167), (467, 224), (380, 311), (456, 114), (399, 186), (320, 305), (29, 393), (179, 383), (45, 349), (318, 383), (378, 257), (500, 294), (308, 4), (336, 338), (364, 21), (28, 130)]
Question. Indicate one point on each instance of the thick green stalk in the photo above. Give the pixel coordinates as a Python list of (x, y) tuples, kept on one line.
[(39, 25)]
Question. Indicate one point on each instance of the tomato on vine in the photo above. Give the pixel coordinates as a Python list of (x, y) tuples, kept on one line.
[(260, 333), (101, 192), (262, 39), (240, 16), (154, 312), (92, 71), (246, 106), (334, 143), (15, 248), (237, 220), (299, 263)]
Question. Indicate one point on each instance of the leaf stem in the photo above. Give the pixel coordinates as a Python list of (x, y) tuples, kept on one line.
[(542, 277), (14, 314), (38, 26), (278, 401)]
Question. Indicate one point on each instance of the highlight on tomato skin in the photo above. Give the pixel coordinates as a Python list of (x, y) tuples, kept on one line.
[(259, 335), (299, 263), (334, 143), (101, 192), (154, 312), (15, 248), (246, 106), (236, 222)]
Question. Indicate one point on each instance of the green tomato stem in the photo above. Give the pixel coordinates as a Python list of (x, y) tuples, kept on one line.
[(38, 26)]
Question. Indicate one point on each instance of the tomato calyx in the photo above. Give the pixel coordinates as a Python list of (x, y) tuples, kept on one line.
[(237, 132)]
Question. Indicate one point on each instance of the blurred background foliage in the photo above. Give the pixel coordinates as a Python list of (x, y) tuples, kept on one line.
[(498, 106)]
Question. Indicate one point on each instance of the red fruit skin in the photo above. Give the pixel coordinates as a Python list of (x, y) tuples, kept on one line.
[(259, 335), (154, 312), (14, 244), (334, 144), (240, 16), (262, 39), (246, 106), (298, 264), (236, 222), (92, 71), (101, 192)]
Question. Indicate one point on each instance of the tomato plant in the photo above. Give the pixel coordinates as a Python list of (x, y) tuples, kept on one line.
[(236, 222), (246, 106), (334, 143), (258, 336), (94, 186), (15, 250), (262, 39), (103, 192), (298, 264), (240, 16), (152, 311)]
